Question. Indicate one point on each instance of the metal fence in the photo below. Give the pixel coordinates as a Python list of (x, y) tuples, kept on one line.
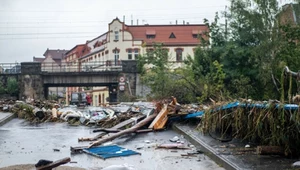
[(10, 68), (95, 66)]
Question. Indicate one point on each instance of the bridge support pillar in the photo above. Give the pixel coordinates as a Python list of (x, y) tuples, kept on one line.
[(31, 81)]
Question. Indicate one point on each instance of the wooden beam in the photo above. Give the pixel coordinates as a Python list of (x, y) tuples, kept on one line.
[(126, 131), (160, 120), (54, 164)]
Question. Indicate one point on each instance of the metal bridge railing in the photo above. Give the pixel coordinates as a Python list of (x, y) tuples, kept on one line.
[(10, 68), (95, 66)]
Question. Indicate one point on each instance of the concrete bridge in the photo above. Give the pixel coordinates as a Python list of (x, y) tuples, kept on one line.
[(34, 80)]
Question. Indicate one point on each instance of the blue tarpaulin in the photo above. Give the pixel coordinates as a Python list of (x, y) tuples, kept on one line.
[(243, 105), (110, 151)]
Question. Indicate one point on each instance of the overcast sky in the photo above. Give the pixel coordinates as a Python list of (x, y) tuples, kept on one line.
[(29, 27)]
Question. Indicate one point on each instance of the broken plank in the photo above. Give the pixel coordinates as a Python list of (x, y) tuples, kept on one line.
[(77, 149), (160, 120), (128, 122), (54, 164)]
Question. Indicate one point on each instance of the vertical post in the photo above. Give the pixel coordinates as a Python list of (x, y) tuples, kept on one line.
[(225, 22)]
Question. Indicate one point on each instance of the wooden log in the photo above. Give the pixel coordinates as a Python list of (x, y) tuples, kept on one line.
[(117, 130), (92, 138), (54, 164), (144, 131), (172, 146), (270, 150), (107, 130), (118, 126), (126, 131)]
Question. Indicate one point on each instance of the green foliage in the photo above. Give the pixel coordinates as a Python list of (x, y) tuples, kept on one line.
[(52, 97), (163, 80), (12, 87), (243, 59), (2, 89), (269, 126)]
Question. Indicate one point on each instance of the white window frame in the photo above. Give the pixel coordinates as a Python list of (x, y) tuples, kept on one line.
[(130, 54), (116, 35)]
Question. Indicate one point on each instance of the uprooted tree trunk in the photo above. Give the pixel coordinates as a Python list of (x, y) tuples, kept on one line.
[(126, 131)]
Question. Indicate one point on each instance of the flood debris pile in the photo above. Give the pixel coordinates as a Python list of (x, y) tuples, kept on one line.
[(271, 127)]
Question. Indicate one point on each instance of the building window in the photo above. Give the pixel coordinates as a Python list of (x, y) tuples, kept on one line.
[(129, 54), (172, 35), (116, 53), (195, 35), (116, 35), (136, 53), (150, 36), (179, 54)]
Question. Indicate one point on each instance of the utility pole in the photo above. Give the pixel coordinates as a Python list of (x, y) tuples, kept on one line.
[(226, 23)]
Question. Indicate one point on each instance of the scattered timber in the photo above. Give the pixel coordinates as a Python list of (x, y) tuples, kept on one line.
[(126, 131), (119, 126)]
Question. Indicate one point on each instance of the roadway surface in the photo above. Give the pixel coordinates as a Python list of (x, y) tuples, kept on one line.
[(23, 143)]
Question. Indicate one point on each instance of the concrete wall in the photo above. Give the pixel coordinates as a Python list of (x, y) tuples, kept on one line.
[(31, 81), (31, 86)]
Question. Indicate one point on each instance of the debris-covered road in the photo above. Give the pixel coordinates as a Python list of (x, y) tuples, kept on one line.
[(22, 143)]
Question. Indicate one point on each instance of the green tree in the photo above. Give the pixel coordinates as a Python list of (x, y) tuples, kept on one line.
[(12, 87), (156, 75)]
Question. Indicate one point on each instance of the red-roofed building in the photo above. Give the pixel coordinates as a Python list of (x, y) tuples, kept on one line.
[(52, 63), (53, 60), (70, 59), (38, 59), (126, 42)]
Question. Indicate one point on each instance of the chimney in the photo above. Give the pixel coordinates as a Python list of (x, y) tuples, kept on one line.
[(131, 20), (176, 22), (124, 19), (137, 22), (183, 22), (187, 23)]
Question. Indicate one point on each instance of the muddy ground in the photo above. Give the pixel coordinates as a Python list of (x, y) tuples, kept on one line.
[(25, 143)]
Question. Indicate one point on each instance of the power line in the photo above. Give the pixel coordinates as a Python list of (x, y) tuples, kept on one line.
[(99, 21), (87, 37), (48, 33), (176, 32), (40, 38), (75, 11)]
